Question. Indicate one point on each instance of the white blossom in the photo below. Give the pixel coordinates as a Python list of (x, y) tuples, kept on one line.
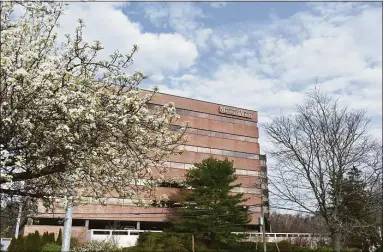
[(78, 125)]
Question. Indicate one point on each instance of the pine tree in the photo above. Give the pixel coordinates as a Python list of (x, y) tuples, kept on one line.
[(37, 241), (51, 238), (59, 238), (13, 245), (20, 244), (30, 243), (44, 239), (356, 204), (209, 211)]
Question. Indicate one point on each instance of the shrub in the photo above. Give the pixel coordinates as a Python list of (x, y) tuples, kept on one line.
[(59, 238), (302, 249), (96, 246), (323, 249), (51, 247), (12, 245), (37, 241), (285, 246), (32, 242), (44, 239), (74, 243), (51, 238), (162, 242)]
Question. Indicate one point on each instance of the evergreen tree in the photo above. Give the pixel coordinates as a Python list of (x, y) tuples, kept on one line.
[(20, 244), (51, 238), (209, 211), (30, 243), (59, 238), (37, 240), (44, 239), (356, 209), (12, 246)]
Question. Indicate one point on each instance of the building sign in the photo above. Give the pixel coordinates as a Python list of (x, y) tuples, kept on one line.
[(234, 112)]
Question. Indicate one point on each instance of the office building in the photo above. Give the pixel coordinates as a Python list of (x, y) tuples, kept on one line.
[(215, 130)]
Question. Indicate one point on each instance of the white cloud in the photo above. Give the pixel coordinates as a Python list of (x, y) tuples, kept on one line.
[(182, 17), (164, 52), (270, 66)]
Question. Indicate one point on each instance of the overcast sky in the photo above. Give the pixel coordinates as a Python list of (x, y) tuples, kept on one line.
[(259, 56)]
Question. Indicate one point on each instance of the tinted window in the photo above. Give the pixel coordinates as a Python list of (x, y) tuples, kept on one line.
[(216, 134), (227, 119), (216, 151), (119, 233), (99, 232)]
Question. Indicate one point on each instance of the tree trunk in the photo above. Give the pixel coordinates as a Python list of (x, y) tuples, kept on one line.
[(336, 241)]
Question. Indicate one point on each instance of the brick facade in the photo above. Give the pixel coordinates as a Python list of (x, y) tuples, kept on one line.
[(220, 133)]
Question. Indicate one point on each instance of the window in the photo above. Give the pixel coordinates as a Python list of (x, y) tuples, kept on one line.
[(216, 152), (237, 121), (166, 164), (206, 115), (120, 233), (189, 166), (227, 119), (240, 154), (252, 156), (204, 150), (227, 153), (204, 132), (250, 123), (203, 115), (100, 232), (174, 127), (192, 131), (240, 138), (177, 165), (191, 148), (216, 134), (133, 233), (221, 152), (252, 139), (214, 117), (240, 172), (252, 173)]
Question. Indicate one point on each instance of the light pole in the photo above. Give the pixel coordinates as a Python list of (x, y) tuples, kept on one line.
[(18, 218), (65, 247), (263, 221)]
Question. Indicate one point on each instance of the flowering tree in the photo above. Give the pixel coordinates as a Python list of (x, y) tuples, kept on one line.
[(71, 124)]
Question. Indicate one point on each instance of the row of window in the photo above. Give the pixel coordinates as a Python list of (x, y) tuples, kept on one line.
[(129, 202), (216, 134), (108, 232), (186, 166), (263, 162), (210, 116), (221, 152), (245, 190)]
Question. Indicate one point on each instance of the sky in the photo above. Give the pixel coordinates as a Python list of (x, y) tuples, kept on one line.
[(263, 56)]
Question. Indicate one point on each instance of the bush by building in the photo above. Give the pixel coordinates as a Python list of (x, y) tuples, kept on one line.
[(51, 247), (97, 246), (34, 242)]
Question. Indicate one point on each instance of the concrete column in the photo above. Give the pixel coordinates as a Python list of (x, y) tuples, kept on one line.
[(87, 224), (138, 225)]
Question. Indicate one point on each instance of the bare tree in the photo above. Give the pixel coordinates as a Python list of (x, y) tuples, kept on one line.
[(314, 149), (297, 223)]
